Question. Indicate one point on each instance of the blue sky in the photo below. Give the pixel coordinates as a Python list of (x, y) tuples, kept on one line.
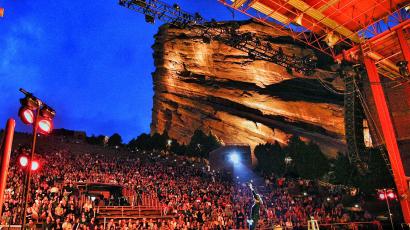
[(90, 60)]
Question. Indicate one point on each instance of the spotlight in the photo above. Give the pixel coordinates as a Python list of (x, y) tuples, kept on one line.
[(382, 196), (149, 19), (331, 39), (176, 7), (234, 158), (141, 3), (298, 19), (28, 105), (26, 115), (45, 126), (34, 165), (391, 195), (404, 71), (23, 160)]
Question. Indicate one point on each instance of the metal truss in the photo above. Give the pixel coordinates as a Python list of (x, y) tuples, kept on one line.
[(310, 24), (256, 47)]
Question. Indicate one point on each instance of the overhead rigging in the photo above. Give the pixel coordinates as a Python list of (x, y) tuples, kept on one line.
[(256, 47)]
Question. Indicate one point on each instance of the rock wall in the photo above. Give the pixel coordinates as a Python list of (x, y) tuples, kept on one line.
[(221, 90)]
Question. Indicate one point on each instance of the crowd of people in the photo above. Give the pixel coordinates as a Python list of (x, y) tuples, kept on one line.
[(191, 195)]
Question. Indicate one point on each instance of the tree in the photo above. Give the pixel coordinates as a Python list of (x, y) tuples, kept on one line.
[(343, 170), (93, 140), (201, 144), (377, 175), (309, 161), (177, 148), (115, 140), (270, 158), (159, 141)]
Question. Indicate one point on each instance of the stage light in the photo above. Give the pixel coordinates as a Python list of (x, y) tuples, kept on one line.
[(234, 158), (382, 196), (331, 39), (141, 3), (26, 115), (47, 112), (390, 194), (298, 19), (149, 19), (28, 105), (23, 160), (404, 71), (176, 7), (45, 126), (34, 165)]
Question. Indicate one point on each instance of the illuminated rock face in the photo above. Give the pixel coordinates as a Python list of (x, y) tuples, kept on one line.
[(217, 88)]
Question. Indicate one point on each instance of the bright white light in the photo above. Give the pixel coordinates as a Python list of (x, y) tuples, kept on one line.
[(234, 158)]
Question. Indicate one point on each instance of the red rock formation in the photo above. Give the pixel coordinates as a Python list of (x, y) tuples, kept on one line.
[(218, 88)]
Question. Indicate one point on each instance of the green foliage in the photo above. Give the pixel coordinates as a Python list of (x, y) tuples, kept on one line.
[(342, 170), (142, 142), (271, 158), (201, 144), (177, 148), (306, 160), (115, 140), (93, 140), (376, 176), (309, 161)]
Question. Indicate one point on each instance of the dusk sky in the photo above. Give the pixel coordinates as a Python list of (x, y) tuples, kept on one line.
[(89, 60)]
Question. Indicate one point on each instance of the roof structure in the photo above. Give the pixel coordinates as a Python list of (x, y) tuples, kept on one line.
[(332, 26)]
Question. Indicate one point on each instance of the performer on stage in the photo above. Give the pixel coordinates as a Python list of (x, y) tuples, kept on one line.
[(257, 201)]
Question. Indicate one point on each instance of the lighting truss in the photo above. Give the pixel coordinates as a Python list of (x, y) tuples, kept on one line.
[(257, 48)]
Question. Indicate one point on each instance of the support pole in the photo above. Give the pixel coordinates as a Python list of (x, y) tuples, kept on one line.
[(5, 158), (405, 49), (31, 158), (389, 137)]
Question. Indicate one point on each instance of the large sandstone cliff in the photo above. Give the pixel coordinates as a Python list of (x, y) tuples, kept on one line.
[(217, 88)]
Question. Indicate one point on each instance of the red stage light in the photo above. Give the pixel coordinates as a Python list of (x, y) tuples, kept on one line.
[(391, 195), (23, 161), (45, 126), (382, 196), (35, 165), (26, 115)]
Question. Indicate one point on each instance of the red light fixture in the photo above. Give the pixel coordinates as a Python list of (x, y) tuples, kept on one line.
[(26, 115), (45, 126), (391, 195), (35, 165), (23, 160)]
